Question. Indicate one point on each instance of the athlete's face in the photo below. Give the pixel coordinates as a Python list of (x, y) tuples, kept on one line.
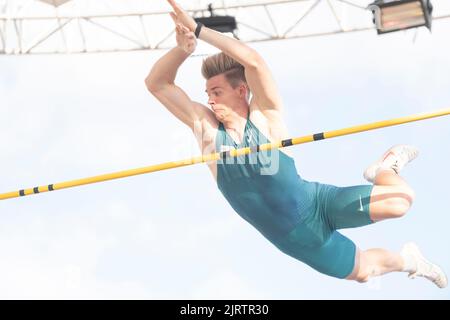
[(222, 96)]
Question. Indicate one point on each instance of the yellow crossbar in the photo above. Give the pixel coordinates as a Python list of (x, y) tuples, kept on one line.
[(218, 155)]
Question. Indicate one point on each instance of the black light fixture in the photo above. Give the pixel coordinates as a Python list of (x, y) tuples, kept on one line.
[(218, 23), (395, 15)]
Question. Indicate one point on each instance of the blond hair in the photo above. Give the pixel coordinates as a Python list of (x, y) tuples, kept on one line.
[(220, 63)]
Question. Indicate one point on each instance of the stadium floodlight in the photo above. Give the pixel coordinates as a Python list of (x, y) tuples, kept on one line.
[(395, 15)]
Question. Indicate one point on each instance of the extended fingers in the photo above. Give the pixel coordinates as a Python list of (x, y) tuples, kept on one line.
[(174, 5), (174, 17), (181, 29), (185, 29)]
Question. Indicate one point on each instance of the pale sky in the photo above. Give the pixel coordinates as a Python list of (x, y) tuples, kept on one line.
[(171, 234)]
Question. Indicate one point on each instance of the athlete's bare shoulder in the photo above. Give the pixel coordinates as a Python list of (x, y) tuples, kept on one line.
[(270, 123)]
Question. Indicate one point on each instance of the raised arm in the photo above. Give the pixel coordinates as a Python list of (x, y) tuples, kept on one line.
[(161, 81), (257, 73)]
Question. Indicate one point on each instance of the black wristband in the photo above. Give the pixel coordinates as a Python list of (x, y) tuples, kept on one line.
[(198, 29)]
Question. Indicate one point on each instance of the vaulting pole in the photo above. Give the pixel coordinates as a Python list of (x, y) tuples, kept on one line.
[(225, 154)]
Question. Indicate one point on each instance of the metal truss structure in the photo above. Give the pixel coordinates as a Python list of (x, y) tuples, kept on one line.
[(89, 26)]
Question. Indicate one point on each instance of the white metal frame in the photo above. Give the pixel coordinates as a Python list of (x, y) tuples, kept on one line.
[(58, 31)]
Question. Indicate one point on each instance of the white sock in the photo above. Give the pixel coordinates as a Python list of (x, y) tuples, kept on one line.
[(409, 263)]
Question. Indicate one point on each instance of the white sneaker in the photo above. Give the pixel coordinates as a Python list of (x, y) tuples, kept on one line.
[(424, 268), (395, 158)]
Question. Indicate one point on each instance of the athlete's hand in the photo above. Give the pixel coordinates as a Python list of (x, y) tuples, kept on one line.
[(185, 38), (181, 16)]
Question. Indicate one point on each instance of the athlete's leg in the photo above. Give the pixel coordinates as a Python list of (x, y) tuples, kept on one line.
[(356, 206), (333, 255), (391, 196), (376, 262)]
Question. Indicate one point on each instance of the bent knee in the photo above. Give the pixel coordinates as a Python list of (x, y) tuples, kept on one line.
[(398, 208), (402, 202), (410, 195), (405, 193)]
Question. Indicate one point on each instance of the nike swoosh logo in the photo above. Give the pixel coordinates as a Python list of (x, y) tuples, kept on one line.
[(361, 208)]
